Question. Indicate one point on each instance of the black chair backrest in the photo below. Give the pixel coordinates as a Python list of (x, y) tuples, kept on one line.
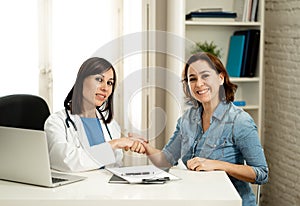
[(23, 111)]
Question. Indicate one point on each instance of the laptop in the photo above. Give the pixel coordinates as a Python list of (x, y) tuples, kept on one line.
[(24, 158)]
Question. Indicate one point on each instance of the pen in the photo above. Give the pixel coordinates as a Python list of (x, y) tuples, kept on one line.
[(135, 173), (158, 180)]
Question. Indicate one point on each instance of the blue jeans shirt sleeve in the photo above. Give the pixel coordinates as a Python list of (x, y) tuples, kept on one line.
[(172, 150), (246, 138)]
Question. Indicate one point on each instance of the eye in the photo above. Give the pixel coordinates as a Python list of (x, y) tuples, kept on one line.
[(192, 79), (204, 76), (110, 83), (99, 79)]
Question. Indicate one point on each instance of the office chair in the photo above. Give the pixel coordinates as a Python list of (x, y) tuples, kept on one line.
[(258, 195), (23, 111)]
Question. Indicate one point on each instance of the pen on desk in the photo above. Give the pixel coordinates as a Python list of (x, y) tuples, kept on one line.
[(135, 173)]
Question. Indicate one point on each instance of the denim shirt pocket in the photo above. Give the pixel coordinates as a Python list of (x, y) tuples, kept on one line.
[(217, 140), (214, 149)]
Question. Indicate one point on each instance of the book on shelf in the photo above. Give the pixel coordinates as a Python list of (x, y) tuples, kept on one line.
[(210, 14), (254, 10), (235, 55), (250, 51), (212, 19), (246, 10), (243, 53), (210, 9)]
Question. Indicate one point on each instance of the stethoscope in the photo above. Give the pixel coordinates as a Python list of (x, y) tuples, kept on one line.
[(68, 119)]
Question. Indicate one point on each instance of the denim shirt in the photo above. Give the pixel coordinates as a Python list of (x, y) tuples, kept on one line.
[(232, 137)]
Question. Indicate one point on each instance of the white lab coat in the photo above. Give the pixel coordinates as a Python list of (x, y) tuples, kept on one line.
[(69, 150)]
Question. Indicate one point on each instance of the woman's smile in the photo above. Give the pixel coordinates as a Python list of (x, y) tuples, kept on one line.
[(101, 97), (202, 91)]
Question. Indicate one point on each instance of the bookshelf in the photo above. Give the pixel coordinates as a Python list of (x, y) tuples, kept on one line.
[(249, 89)]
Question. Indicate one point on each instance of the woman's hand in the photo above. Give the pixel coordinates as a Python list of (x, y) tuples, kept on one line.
[(202, 164), (156, 156), (138, 145), (242, 172)]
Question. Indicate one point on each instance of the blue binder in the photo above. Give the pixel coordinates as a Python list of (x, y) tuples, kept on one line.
[(250, 51), (235, 55)]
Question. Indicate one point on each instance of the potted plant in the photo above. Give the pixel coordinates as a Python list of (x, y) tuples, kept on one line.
[(207, 47)]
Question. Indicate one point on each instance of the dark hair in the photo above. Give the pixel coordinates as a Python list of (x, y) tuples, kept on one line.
[(91, 66), (227, 90)]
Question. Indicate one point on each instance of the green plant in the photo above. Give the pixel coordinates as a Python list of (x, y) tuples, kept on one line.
[(207, 47)]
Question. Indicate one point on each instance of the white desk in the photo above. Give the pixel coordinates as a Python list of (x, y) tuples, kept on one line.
[(194, 188)]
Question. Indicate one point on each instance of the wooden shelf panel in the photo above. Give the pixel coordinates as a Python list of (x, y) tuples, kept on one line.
[(244, 79), (222, 23)]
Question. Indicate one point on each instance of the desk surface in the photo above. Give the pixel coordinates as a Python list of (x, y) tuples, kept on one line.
[(194, 188)]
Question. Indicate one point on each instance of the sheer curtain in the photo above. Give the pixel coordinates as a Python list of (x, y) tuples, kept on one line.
[(79, 29), (44, 42), (132, 82), (19, 47), (47, 40)]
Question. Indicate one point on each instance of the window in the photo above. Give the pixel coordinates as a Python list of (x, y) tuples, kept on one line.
[(79, 29), (19, 47), (132, 73)]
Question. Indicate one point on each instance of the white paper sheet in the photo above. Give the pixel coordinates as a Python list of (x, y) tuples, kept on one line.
[(137, 174)]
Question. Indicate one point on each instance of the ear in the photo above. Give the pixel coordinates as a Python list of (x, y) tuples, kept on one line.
[(221, 78)]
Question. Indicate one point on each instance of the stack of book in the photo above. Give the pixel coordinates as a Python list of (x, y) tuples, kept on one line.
[(211, 14), (250, 10), (246, 10), (243, 53)]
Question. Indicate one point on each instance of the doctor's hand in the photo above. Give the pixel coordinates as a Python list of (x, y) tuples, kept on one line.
[(121, 143), (127, 143)]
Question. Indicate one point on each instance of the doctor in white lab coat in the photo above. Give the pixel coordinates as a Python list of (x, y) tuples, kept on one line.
[(84, 135)]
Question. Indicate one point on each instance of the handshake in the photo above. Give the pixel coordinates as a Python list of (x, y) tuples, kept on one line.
[(139, 144), (133, 142)]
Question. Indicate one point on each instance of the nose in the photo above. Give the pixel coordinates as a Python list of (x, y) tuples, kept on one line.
[(200, 82), (103, 86)]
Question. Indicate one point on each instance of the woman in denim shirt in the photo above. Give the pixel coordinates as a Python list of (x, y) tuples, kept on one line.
[(214, 134)]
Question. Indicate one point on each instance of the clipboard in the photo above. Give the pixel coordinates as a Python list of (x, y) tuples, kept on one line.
[(145, 174), (117, 179)]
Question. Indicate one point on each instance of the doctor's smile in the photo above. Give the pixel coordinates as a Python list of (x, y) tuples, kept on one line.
[(101, 84)]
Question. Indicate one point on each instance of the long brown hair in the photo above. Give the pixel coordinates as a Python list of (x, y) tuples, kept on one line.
[(91, 66), (227, 90)]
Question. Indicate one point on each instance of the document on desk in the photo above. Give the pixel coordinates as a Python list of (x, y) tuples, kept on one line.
[(145, 174)]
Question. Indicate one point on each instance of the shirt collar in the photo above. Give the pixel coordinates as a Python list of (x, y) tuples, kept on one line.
[(221, 110), (218, 113)]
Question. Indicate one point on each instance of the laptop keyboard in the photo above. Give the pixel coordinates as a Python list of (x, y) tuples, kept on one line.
[(55, 179)]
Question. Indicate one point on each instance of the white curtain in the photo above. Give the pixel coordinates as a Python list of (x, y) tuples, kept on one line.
[(79, 28), (19, 47)]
